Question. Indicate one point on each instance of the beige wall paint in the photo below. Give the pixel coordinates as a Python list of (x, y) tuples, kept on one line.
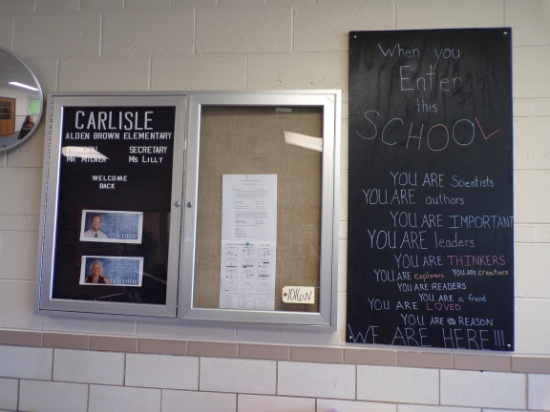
[(136, 45)]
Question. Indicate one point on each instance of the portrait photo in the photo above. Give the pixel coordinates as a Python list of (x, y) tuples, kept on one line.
[(111, 270), (111, 226)]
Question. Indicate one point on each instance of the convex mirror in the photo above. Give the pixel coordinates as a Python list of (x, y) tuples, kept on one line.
[(21, 101)]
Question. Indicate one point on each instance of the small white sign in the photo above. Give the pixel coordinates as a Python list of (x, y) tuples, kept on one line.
[(299, 294)]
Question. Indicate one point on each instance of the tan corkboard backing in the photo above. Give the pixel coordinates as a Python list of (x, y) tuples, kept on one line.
[(250, 140)]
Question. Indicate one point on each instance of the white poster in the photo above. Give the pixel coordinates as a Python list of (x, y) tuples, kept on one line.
[(249, 241)]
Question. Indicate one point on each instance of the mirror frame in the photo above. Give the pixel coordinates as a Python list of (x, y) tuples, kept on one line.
[(20, 65)]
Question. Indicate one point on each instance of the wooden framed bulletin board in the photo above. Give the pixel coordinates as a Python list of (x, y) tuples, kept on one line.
[(430, 256), (200, 207)]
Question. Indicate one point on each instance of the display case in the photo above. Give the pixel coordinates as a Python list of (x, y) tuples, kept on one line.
[(261, 238), (198, 207), (113, 172)]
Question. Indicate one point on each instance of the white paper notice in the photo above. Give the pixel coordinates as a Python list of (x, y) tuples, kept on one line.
[(249, 241)]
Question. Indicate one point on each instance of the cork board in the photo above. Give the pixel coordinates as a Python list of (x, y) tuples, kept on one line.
[(250, 140)]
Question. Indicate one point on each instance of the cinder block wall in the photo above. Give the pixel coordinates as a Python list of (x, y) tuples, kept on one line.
[(58, 364)]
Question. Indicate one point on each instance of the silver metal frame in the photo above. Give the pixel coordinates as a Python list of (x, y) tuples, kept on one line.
[(329, 100), (49, 208), (181, 270)]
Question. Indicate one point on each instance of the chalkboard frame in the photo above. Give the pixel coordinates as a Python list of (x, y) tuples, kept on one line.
[(107, 299)]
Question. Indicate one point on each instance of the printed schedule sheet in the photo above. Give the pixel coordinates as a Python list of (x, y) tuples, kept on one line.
[(249, 242)]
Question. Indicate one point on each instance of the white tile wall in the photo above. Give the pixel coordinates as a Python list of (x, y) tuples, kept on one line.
[(316, 380), (146, 4), (201, 333), (159, 371), (169, 32), (539, 392), (530, 185), (483, 389), (449, 14), (530, 25), (297, 71), (529, 281), (18, 246), (25, 200), (18, 6), (107, 74), (424, 408), (537, 338), (273, 336), (541, 107), (236, 385), (79, 37), (332, 405), (18, 294), (244, 30), (87, 325), (172, 401), (283, 2), (236, 375), (529, 80), (6, 25), (326, 28), (542, 233), (57, 6), (241, 2), (53, 396), (392, 384), (101, 5), (255, 403), (502, 410), (209, 73), (89, 366), (25, 363), (9, 389), (122, 399), (23, 223), (194, 3), (532, 132)]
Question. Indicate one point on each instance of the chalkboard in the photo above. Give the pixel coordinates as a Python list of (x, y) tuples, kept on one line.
[(430, 255)]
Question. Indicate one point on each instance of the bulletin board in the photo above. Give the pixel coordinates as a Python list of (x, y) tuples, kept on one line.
[(113, 171), (195, 207), (255, 136), (288, 137)]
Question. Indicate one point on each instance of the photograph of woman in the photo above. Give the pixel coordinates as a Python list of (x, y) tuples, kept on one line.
[(96, 274)]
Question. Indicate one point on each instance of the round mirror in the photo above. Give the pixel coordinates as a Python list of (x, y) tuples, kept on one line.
[(21, 101)]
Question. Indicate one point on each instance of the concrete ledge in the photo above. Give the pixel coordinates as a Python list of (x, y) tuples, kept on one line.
[(350, 355)]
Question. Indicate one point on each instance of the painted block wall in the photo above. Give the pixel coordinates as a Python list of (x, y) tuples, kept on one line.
[(166, 45)]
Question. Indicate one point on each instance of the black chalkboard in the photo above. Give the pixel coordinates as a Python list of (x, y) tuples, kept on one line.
[(430, 255)]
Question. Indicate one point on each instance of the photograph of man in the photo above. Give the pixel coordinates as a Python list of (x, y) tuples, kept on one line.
[(95, 231), (96, 274)]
